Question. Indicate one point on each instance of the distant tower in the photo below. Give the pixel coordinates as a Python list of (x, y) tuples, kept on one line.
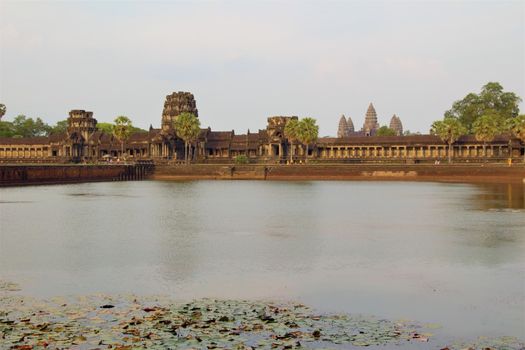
[(176, 104), (396, 125), (342, 130), (350, 125), (371, 125), (81, 123)]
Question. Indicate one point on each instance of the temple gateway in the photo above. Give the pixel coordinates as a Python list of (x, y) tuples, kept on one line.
[(84, 142)]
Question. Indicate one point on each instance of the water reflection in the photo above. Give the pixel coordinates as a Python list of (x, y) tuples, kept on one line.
[(445, 253), (499, 196)]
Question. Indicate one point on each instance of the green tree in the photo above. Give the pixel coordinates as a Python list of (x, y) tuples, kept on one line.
[(385, 131), (307, 132), (187, 127), (517, 127), (449, 130), (486, 128), (7, 129), (105, 127), (108, 128), (135, 130), (241, 159), (290, 131), (60, 127), (122, 130), (491, 100), (2, 110), (27, 127)]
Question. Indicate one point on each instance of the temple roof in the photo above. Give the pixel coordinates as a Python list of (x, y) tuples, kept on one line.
[(350, 125), (342, 130), (219, 135), (38, 140), (371, 110), (400, 140)]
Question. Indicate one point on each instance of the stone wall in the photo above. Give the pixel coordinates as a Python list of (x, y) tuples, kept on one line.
[(12, 175), (416, 172)]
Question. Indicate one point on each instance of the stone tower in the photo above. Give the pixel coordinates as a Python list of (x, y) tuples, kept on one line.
[(371, 125), (396, 125), (81, 123), (176, 104), (342, 130), (276, 125), (350, 125)]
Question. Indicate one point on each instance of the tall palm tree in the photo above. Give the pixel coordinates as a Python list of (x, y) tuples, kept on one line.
[(449, 130), (122, 130), (517, 128), (485, 129), (187, 126), (307, 132), (290, 131)]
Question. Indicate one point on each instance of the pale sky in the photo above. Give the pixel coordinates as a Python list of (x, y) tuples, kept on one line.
[(247, 60)]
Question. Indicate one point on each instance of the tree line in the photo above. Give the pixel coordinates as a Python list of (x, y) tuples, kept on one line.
[(485, 115), (23, 126)]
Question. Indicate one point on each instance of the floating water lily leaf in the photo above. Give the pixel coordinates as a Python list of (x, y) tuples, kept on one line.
[(152, 322)]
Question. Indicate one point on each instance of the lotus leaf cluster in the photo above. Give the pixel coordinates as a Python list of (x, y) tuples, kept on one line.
[(124, 322)]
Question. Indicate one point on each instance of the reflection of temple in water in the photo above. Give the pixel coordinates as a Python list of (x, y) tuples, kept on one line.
[(500, 196)]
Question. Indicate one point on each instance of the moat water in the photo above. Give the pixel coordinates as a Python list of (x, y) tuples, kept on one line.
[(451, 254)]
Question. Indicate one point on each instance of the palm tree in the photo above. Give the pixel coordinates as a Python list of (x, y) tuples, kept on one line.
[(449, 130), (122, 130), (188, 127), (485, 129), (290, 131), (517, 128), (307, 132)]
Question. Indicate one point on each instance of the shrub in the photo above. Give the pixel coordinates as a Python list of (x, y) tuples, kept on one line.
[(241, 159)]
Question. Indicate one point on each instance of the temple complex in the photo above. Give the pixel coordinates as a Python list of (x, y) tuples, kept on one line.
[(84, 142), (343, 130), (371, 125), (350, 125), (396, 125)]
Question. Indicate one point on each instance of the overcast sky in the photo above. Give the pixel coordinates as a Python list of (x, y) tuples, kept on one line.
[(247, 60)]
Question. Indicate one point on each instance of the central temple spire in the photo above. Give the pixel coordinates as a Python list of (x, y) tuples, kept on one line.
[(371, 124), (176, 104)]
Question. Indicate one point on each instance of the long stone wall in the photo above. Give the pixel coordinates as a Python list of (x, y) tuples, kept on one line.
[(415, 172), (13, 175), (16, 175)]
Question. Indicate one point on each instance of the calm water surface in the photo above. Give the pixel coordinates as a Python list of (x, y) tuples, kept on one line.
[(452, 254)]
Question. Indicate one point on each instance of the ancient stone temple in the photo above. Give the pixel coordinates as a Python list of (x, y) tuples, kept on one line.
[(275, 135), (342, 130), (81, 123), (371, 125), (176, 104), (396, 125), (350, 125), (80, 128), (84, 142)]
